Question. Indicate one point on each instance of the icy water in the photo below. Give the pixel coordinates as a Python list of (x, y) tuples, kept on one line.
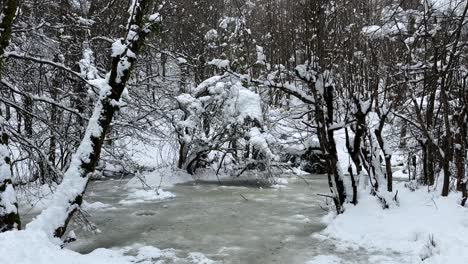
[(227, 224)]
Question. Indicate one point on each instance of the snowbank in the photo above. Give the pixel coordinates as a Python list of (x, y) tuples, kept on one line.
[(425, 227), (34, 247)]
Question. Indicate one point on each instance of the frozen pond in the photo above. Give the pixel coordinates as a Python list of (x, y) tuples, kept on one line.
[(227, 224)]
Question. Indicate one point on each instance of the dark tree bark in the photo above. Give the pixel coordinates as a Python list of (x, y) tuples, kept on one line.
[(355, 149), (387, 156)]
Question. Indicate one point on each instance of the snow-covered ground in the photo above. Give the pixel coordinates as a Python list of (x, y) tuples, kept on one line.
[(34, 247), (424, 228)]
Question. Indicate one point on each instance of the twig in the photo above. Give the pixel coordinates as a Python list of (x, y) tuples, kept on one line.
[(243, 197), (435, 203), (325, 195)]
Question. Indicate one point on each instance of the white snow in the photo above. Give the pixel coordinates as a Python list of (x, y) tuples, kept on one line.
[(7, 196), (244, 103), (448, 5), (280, 183), (189, 101), (34, 247), (151, 195), (72, 184), (258, 140), (8, 200), (261, 57), (181, 60), (406, 229), (377, 32), (221, 64), (211, 35), (87, 67), (162, 177), (156, 17), (225, 22), (207, 83), (96, 206), (153, 153), (118, 48), (197, 257)]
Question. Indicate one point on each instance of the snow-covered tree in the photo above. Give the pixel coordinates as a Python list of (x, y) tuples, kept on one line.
[(9, 217)]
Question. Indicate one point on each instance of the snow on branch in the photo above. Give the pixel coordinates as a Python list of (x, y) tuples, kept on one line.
[(69, 194)]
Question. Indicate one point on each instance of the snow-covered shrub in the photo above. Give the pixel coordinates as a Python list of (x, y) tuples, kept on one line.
[(222, 121)]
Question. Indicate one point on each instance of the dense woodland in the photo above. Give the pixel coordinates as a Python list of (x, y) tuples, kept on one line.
[(233, 86)]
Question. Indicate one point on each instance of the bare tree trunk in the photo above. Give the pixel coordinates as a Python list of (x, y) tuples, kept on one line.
[(53, 137), (328, 144), (429, 164), (448, 142), (384, 148), (460, 150), (403, 133), (355, 149), (357, 163), (183, 152), (460, 156)]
